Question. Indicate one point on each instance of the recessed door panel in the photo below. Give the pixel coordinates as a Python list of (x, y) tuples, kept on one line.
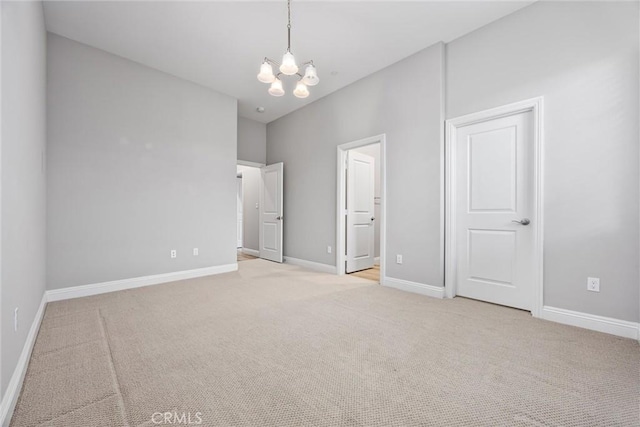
[(270, 236), (364, 194), (362, 247), (492, 256), (492, 170), (271, 191)]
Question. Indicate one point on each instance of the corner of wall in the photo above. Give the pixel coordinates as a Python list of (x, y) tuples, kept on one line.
[(23, 183), (252, 140)]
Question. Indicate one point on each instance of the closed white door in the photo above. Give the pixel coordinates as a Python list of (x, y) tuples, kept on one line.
[(271, 212), (495, 211), (360, 211), (239, 212)]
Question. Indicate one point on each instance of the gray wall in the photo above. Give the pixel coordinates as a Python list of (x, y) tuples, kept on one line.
[(583, 58), (252, 140), (139, 163), (373, 150), (251, 215), (403, 101), (23, 175)]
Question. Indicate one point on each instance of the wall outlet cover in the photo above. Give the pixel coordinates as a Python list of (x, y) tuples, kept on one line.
[(593, 284)]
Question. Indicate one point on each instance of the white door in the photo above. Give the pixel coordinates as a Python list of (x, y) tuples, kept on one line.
[(239, 210), (271, 212), (495, 211), (360, 211)]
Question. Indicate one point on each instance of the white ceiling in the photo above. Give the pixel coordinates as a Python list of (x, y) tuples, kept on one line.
[(220, 44)]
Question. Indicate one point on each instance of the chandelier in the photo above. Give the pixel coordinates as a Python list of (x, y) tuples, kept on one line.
[(288, 67)]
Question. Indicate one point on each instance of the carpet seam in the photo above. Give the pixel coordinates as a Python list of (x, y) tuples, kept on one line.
[(57, 316), (71, 411), (112, 365), (66, 347)]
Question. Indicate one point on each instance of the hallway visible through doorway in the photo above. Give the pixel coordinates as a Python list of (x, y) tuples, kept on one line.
[(244, 256), (369, 274)]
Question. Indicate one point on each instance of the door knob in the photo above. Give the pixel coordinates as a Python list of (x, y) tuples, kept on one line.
[(373, 218), (523, 221), (279, 218)]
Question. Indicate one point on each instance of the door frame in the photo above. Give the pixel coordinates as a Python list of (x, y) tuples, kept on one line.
[(535, 106), (250, 164), (256, 165), (341, 205)]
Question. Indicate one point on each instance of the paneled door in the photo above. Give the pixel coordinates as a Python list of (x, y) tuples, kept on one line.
[(360, 211), (271, 212), (495, 210)]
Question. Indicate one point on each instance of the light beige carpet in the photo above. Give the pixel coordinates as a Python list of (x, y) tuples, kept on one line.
[(276, 345)]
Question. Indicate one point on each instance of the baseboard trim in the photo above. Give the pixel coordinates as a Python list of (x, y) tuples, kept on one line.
[(621, 328), (415, 287), (376, 261), (311, 265), (252, 252), (12, 393), (136, 282)]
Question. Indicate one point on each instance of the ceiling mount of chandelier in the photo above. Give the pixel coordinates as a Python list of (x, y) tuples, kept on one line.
[(288, 67)]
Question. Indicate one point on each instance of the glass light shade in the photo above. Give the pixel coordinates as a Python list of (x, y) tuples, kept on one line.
[(266, 73), (301, 90), (310, 76), (288, 66), (276, 88)]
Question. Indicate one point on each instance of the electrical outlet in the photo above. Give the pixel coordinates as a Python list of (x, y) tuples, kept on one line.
[(174, 253), (256, 206), (15, 320), (328, 249), (398, 259), (196, 252), (593, 284)]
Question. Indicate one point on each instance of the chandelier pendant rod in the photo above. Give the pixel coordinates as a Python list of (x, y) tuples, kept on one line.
[(288, 25)]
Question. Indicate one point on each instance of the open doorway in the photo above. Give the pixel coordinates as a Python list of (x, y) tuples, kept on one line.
[(248, 203), (260, 211), (360, 208)]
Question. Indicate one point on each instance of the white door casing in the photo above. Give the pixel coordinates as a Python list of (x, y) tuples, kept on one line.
[(271, 202), (494, 180), (239, 212), (360, 211)]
